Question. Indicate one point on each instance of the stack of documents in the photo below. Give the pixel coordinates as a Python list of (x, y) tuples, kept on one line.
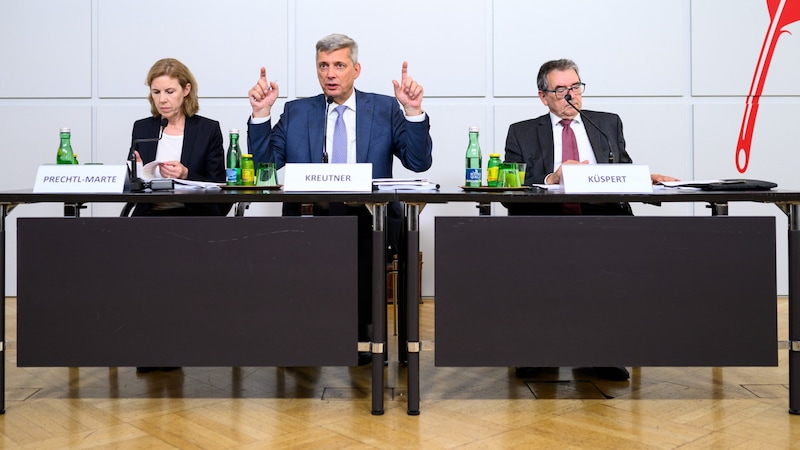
[(404, 184)]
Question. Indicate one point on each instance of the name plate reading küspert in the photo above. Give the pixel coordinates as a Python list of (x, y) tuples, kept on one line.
[(328, 178), (606, 178), (86, 178)]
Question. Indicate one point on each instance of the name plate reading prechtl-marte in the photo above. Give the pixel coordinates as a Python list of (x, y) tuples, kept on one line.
[(606, 178), (83, 178), (328, 178)]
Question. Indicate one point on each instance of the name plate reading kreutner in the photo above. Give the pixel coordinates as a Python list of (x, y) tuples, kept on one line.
[(88, 178), (328, 178), (606, 178)]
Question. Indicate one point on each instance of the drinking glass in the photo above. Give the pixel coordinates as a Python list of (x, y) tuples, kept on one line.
[(266, 175), (507, 176), (521, 167)]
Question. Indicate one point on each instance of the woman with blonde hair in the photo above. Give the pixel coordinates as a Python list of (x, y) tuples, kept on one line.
[(190, 146)]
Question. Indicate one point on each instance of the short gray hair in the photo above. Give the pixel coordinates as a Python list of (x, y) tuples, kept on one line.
[(336, 41), (549, 66)]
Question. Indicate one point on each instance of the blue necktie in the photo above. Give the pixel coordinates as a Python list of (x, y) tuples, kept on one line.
[(339, 137)]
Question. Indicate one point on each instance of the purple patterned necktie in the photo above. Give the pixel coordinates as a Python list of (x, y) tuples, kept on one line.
[(569, 151), (569, 145), (340, 137)]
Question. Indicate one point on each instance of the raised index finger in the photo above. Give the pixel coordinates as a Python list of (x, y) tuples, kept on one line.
[(264, 73), (404, 72)]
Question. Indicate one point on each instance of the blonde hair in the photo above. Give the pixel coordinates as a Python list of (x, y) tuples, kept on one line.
[(173, 68)]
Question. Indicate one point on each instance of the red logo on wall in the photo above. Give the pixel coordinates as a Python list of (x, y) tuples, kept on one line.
[(781, 14)]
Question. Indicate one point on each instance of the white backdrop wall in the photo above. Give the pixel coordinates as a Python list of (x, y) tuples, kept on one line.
[(677, 71)]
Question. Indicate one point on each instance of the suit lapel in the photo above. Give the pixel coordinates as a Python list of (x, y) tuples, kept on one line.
[(596, 139), (147, 150), (365, 110), (546, 143), (316, 129), (189, 138)]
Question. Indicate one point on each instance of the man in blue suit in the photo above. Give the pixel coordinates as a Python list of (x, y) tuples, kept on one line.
[(377, 130)]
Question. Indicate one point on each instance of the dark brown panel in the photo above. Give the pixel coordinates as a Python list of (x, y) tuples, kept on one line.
[(605, 291), (179, 291)]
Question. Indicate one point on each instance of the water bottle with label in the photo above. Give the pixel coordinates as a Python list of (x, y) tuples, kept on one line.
[(474, 177), (233, 160)]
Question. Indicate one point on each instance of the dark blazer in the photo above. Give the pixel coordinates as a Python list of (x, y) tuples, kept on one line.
[(381, 133), (531, 142), (202, 154)]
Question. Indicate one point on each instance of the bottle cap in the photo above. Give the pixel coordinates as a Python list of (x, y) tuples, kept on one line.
[(65, 130), (234, 130), (474, 129), (494, 155), (247, 155)]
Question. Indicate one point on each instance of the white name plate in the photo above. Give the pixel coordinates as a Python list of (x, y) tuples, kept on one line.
[(606, 178), (91, 178), (328, 178)]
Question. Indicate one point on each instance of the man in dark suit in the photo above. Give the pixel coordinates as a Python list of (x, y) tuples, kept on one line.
[(377, 130), (541, 142), (538, 142)]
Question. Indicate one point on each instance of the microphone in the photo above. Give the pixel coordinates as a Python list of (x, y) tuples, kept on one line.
[(328, 100), (137, 184), (568, 97)]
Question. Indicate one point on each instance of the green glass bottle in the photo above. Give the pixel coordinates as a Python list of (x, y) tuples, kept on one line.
[(65, 154), (234, 156), (474, 177)]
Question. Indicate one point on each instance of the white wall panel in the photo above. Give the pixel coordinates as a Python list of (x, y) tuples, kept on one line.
[(223, 43), (726, 43), (26, 147), (443, 41), (623, 47), (775, 153), (47, 49)]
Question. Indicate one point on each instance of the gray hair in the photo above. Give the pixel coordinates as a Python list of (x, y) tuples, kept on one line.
[(549, 66), (336, 41)]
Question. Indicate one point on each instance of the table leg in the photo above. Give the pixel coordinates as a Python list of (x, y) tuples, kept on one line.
[(412, 305), (378, 304), (794, 309), (3, 213)]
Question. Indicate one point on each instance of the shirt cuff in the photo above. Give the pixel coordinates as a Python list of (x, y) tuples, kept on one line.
[(418, 118), (259, 120)]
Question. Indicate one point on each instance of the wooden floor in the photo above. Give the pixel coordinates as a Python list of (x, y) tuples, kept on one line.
[(329, 407)]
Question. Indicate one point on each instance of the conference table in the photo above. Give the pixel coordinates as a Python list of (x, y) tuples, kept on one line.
[(194, 291), (547, 291), (244, 268)]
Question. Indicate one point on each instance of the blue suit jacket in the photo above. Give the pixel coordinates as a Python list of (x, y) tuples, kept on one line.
[(381, 133)]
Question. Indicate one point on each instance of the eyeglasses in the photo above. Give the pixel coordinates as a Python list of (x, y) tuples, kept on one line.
[(576, 88)]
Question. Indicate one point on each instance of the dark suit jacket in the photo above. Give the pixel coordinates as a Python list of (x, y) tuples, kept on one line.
[(202, 154), (382, 132), (531, 142)]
